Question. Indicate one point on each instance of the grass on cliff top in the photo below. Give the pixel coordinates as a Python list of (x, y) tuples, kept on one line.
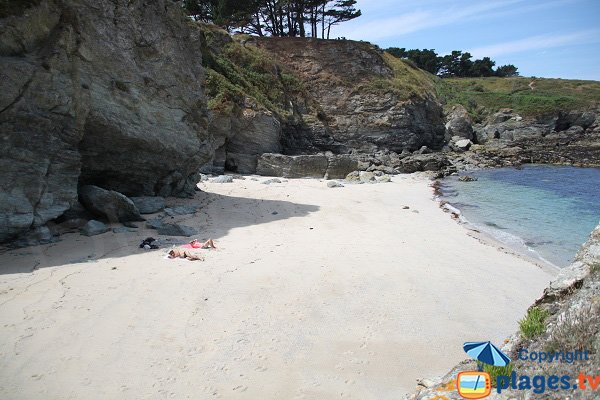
[(408, 80), (15, 7), (235, 72), (492, 94)]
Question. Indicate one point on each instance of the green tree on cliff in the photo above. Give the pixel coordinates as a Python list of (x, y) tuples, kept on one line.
[(507, 71), (228, 14), (483, 67), (455, 64), (275, 17)]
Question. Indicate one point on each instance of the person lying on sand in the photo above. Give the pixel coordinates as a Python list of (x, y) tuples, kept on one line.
[(195, 244), (185, 253)]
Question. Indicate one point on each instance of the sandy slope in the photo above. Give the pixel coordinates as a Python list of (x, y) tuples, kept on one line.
[(314, 293)]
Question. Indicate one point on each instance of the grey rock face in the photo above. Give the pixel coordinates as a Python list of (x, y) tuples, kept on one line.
[(148, 204), (459, 123), (255, 133), (241, 135), (338, 166), (563, 138), (352, 119), (423, 162), (176, 230), (97, 93), (109, 204), (93, 228), (306, 166), (36, 236), (566, 120)]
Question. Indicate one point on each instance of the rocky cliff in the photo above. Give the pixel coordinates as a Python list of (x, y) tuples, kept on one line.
[(523, 120), (97, 92), (300, 96), (133, 97), (367, 100), (507, 138)]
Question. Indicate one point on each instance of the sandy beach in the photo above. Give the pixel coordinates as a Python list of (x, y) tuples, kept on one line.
[(313, 293)]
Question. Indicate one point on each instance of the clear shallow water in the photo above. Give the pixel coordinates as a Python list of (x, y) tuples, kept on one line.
[(548, 211)]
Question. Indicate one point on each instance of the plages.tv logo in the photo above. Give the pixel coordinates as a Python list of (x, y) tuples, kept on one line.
[(478, 384)]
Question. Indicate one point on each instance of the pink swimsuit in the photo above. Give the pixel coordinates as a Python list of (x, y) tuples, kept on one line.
[(190, 246)]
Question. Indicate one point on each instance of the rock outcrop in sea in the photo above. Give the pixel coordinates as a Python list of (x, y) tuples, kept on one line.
[(507, 138)]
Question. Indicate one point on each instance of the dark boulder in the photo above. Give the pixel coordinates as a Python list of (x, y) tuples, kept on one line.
[(423, 162), (149, 204), (94, 227), (176, 230), (109, 204)]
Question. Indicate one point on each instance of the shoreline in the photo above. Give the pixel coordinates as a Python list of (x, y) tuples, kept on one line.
[(489, 239), (313, 292), (505, 237)]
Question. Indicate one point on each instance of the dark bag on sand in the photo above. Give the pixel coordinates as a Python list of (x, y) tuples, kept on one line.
[(148, 243)]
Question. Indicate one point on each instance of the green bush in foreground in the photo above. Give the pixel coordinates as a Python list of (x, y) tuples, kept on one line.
[(533, 324), (495, 371)]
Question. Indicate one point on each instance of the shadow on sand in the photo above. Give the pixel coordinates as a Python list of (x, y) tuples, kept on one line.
[(216, 216)]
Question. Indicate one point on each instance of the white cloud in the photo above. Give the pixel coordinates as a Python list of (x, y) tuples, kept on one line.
[(441, 14), (536, 43)]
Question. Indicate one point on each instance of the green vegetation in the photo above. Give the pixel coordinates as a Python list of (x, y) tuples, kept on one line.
[(495, 371), (408, 80), (15, 7), (455, 64), (534, 322), (235, 72), (274, 17), (479, 95)]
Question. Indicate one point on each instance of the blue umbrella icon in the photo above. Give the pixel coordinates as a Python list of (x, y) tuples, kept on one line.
[(487, 353)]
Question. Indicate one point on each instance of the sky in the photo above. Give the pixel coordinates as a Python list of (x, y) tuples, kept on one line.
[(550, 39)]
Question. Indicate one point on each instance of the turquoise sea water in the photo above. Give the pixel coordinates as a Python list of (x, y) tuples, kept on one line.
[(548, 211)]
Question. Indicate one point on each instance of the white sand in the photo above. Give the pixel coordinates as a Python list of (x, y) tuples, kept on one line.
[(341, 294)]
